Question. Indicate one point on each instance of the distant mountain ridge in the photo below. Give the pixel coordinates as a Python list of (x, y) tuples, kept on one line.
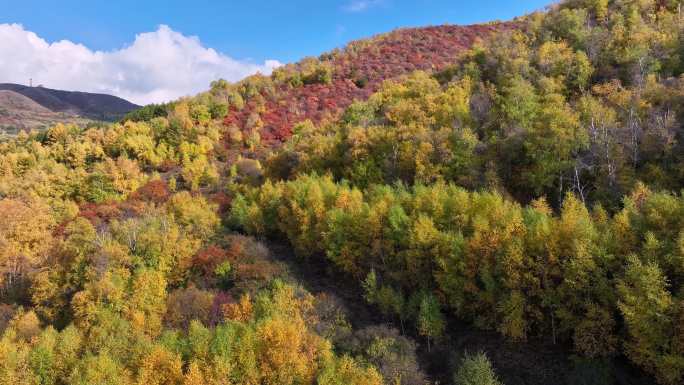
[(84, 105), (18, 112)]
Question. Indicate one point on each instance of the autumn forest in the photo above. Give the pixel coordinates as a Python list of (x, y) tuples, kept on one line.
[(484, 205)]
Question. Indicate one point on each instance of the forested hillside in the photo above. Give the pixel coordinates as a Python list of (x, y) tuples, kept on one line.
[(320, 88), (526, 189)]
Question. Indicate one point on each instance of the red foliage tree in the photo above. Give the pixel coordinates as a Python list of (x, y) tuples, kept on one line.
[(358, 71)]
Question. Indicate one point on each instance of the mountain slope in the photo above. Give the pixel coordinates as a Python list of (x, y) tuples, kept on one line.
[(20, 112), (520, 203), (355, 72), (83, 104)]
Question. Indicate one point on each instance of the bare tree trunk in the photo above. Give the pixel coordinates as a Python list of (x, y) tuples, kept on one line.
[(634, 131), (560, 190), (578, 184), (395, 155), (609, 162)]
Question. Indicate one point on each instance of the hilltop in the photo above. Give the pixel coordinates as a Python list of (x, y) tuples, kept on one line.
[(34, 107), (321, 88), (20, 112)]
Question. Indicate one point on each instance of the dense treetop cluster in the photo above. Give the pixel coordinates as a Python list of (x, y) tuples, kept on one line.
[(529, 185)]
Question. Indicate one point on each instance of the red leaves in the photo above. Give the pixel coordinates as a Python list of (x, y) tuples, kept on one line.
[(389, 56), (98, 213), (156, 191), (222, 199), (208, 258)]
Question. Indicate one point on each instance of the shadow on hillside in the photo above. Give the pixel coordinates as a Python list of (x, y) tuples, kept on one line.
[(533, 362)]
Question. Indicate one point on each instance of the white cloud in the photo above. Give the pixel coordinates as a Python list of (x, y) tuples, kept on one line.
[(361, 5), (158, 66)]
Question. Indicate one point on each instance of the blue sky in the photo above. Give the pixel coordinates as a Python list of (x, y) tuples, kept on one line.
[(153, 50), (282, 30)]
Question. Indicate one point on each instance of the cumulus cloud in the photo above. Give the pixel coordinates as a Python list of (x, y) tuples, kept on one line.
[(158, 66), (361, 5)]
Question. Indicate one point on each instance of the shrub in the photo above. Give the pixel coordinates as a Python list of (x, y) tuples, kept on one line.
[(186, 305), (393, 355), (476, 370)]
